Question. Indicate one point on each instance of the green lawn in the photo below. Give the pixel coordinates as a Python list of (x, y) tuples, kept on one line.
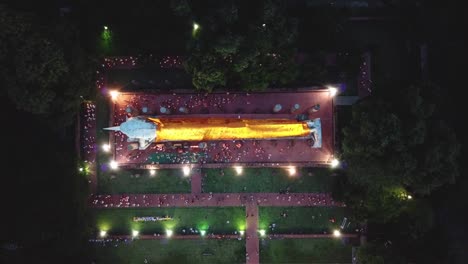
[(302, 219), (125, 181), (304, 251), (213, 220), (172, 251), (267, 180)]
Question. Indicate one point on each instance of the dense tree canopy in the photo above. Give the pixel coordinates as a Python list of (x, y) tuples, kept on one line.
[(395, 146), (246, 45), (43, 68)]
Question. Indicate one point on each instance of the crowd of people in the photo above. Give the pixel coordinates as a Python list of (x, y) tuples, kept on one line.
[(88, 132), (210, 199), (215, 152)]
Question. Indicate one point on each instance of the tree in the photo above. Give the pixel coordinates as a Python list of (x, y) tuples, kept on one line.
[(44, 72), (367, 255), (375, 253), (401, 142), (252, 51), (397, 144)]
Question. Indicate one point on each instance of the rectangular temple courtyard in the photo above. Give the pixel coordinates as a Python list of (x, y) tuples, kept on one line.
[(225, 177)]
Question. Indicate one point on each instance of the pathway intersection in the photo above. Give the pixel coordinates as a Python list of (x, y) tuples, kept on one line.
[(196, 198)]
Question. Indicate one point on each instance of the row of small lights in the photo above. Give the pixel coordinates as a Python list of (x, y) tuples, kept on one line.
[(239, 169), (170, 233), (333, 91)]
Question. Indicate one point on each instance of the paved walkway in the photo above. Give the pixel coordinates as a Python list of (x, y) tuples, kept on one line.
[(251, 235), (218, 199), (196, 181), (234, 104)]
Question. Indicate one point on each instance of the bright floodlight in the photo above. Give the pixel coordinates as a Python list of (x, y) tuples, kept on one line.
[(241, 232), (186, 170), (81, 169), (336, 233), (238, 170), (202, 232), (195, 26), (135, 233), (114, 94), (409, 197), (335, 163), (106, 147), (292, 171), (169, 232), (152, 172), (103, 233), (106, 28), (113, 165), (262, 232), (332, 90)]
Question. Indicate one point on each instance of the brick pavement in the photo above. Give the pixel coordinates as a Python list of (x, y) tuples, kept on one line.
[(251, 236)]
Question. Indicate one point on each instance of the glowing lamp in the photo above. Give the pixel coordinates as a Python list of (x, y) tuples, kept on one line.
[(135, 233), (186, 170), (80, 169), (152, 172), (292, 171), (195, 26), (336, 233), (238, 170), (106, 147), (169, 232), (103, 233), (335, 163), (202, 232), (106, 28), (113, 165), (332, 90), (114, 94), (262, 232), (241, 232), (409, 197)]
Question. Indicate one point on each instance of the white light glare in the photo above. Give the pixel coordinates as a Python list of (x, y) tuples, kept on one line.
[(332, 90), (335, 163), (336, 233), (262, 232), (241, 232), (169, 232), (102, 233), (409, 197), (106, 147), (202, 232), (238, 170), (292, 171), (186, 170), (152, 172), (196, 26), (135, 233), (114, 94), (113, 165)]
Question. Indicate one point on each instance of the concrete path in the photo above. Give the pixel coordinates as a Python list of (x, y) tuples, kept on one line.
[(251, 234), (196, 181)]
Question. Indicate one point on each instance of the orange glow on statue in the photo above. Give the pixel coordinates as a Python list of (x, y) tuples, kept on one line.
[(146, 130)]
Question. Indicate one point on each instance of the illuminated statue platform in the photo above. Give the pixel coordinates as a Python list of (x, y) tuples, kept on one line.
[(146, 130), (222, 128)]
